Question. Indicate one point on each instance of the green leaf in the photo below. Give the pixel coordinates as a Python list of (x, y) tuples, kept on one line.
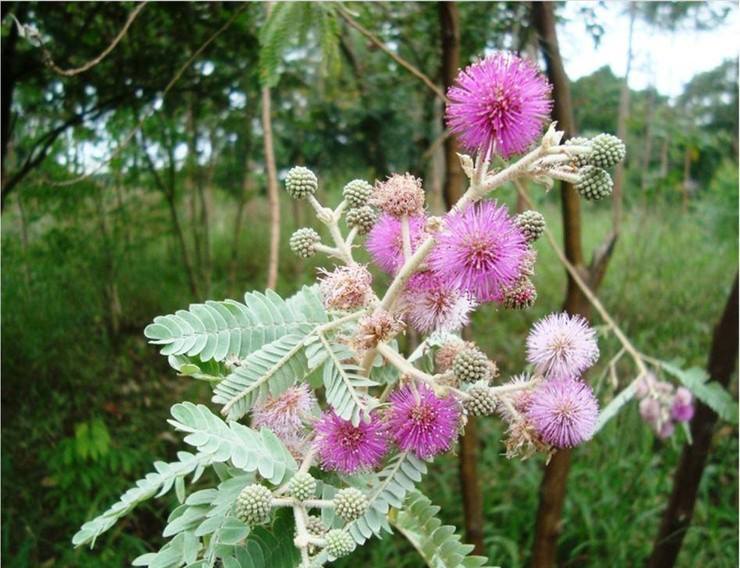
[(268, 371), (215, 330), (437, 544), (611, 409), (243, 447), (393, 483), (709, 392), (343, 380), (154, 484)]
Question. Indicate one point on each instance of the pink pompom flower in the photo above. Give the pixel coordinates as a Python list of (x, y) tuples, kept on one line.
[(399, 195), (498, 104), (480, 251), (682, 409), (286, 416), (564, 412), (385, 243), (423, 423), (348, 449), (561, 345), (431, 305)]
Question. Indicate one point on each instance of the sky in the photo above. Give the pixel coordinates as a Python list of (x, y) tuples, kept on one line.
[(666, 60)]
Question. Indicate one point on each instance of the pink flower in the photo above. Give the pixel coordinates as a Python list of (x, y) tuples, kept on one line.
[(650, 410), (399, 195), (346, 448), (421, 422), (498, 104), (564, 412), (682, 409), (346, 287), (561, 345), (480, 251), (385, 244), (431, 305), (285, 415)]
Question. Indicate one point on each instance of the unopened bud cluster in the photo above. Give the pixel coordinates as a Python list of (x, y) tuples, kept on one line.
[(605, 151)]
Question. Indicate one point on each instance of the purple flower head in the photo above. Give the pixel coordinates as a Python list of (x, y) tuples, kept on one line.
[(682, 409), (560, 345), (650, 410), (431, 305), (285, 416), (498, 104), (346, 448), (385, 244), (666, 430), (480, 251), (399, 195), (564, 412), (421, 422)]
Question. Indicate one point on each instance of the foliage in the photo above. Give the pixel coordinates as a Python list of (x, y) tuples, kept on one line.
[(437, 544)]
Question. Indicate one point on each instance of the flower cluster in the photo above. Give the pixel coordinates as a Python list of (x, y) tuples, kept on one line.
[(382, 414), (662, 405)]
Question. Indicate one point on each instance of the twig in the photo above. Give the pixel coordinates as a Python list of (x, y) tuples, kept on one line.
[(49, 62), (397, 58), (167, 89)]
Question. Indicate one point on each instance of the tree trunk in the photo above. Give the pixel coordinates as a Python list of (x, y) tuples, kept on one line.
[(449, 21), (686, 179), (192, 185), (272, 190), (111, 299), (552, 489), (624, 102), (648, 149), (470, 486), (664, 158), (677, 516), (272, 183), (9, 64), (180, 236), (205, 198)]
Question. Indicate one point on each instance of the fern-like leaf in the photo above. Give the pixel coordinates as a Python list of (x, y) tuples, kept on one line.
[(343, 379), (398, 478), (216, 329), (437, 544), (709, 392), (286, 19), (270, 370), (232, 442), (154, 484)]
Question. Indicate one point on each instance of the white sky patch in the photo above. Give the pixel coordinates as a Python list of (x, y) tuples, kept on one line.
[(666, 60)]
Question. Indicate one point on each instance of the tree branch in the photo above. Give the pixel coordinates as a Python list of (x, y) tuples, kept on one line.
[(49, 62), (397, 58)]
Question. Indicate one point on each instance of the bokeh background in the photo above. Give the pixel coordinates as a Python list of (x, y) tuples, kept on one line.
[(139, 185)]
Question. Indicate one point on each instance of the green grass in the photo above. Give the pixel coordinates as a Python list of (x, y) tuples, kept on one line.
[(666, 286)]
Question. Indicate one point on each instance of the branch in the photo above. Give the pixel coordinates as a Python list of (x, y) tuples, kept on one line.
[(167, 89), (49, 62), (397, 58)]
